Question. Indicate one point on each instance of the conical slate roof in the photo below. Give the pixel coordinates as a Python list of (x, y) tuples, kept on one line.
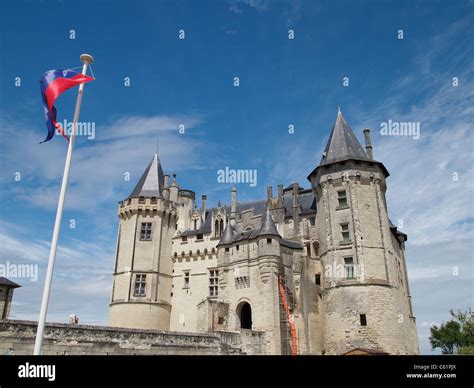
[(151, 182), (342, 144), (228, 235), (268, 226)]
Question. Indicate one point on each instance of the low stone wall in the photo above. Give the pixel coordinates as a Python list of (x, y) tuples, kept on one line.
[(251, 342), (18, 337)]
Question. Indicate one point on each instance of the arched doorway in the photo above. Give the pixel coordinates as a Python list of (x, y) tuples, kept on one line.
[(244, 312)]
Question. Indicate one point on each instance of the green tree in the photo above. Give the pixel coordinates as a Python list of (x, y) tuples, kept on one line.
[(455, 336)]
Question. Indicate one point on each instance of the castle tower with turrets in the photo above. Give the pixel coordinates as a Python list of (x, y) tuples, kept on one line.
[(366, 298), (317, 270)]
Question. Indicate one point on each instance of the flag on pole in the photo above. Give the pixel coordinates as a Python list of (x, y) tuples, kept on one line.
[(53, 84)]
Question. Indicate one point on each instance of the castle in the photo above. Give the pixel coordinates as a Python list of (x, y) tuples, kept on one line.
[(318, 271)]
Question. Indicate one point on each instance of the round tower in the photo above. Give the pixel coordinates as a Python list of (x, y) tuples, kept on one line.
[(366, 298), (141, 292)]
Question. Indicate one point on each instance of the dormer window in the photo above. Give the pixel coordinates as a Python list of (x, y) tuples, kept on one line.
[(141, 199), (218, 228)]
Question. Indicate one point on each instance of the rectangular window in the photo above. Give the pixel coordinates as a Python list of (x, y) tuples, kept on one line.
[(345, 233), (186, 279), (237, 247), (227, 249), (317, 279), (342, 198), (145, 231), (213, 282), (140, 285), (199, 237), (269, 240), (349, 267), (363, 320), (141, 199), (184, 238)]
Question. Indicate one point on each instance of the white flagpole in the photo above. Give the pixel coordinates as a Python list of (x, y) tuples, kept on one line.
[(86, 60)]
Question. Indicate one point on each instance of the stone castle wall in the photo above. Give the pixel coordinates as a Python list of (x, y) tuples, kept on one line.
[(18, 338)]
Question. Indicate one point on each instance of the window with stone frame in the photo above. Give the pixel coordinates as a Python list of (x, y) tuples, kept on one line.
[(140, 285), (186, 279), (345, 233), (349, 267), (213, 282), (342, 198), (145, 231)]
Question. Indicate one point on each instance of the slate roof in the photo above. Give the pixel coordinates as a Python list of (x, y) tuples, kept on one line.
[(8, 283), (342, 144), (306, 199), (151, 182)]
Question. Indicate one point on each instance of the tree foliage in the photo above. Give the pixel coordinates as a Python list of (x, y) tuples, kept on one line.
[(455, 336)]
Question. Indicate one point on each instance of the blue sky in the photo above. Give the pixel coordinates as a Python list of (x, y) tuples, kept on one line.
[(190, 82)]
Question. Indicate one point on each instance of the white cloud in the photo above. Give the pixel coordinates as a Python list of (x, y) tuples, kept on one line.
[(259, 5), (98, 167)]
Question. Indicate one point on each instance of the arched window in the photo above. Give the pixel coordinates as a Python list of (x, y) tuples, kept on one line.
[(218, 228), (244, 313)]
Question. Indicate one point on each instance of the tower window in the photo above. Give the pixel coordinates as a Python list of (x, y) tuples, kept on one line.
[(140, 285), (184, 238), (269, 240), (186, 279), (345, 233), (195, 224), (342, 198), (213, 282), (227, 249), (199, 237), (349, 267), (237, 247), (317, 279), (218, 228), (363, 320), (145, 231)]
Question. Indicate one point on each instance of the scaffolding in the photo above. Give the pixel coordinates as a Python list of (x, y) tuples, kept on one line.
[(287, 324)]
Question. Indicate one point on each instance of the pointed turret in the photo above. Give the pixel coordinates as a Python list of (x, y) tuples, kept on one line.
[(151, 182), (227, 236), (342, 144), (268, 227)]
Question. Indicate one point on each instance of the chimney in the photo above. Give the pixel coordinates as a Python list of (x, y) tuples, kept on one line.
[(296, 195), (174, 189), (233, 208), (296, 209), (166, 189), (368, 143), (280, 197), (269, 192), (203, 206)]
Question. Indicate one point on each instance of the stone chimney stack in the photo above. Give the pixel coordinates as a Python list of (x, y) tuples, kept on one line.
[(269, 192), (233, 207), (368, 143), (203, 206), (280, 197), (166, 189), (296, 208)]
